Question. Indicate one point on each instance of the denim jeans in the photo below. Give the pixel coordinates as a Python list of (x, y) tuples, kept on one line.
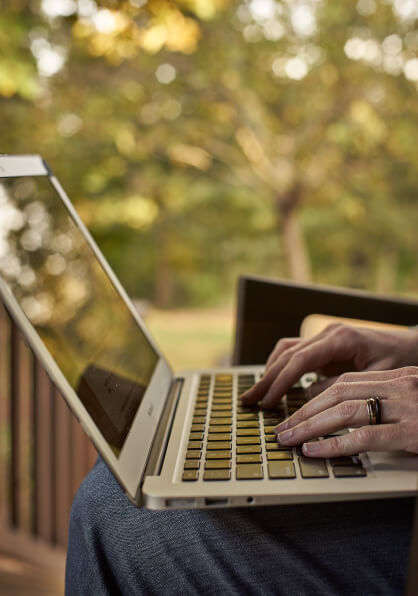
[(353, 548)]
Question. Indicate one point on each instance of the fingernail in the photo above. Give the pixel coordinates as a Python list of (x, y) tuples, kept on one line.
[(281, 427), (311, 448), (285, 436)]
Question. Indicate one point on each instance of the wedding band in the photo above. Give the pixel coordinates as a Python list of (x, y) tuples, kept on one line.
[(373, 410)]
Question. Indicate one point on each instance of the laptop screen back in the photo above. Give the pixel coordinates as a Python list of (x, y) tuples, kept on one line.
[(73, 305)]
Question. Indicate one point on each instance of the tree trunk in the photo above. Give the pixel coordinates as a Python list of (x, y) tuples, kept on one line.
[(386, 270), (297, 257)]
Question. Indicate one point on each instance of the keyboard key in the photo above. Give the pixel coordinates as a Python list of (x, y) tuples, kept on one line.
[(198, 419), (271, 438), (279, 455), (217, 464), (277, 447), (248, 440), (349, 471), (199, 412), (193, 454), (249, 458), (248, 449), (220, 428), (277, 412), (212, 445), (194, 445), (247, 416), (269, 429), (198, 428), (248, 432), (219, 436), (189, 475), (353, 460), (221, 408), (221, 454), (313, 468), (220, 421), (249, 471), (217, 475), (221, 414), (196, 436), (281, 469), (248, 424), (272, 421), (191, 464)]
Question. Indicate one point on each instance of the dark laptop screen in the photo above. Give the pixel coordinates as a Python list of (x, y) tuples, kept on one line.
[(66, 295)]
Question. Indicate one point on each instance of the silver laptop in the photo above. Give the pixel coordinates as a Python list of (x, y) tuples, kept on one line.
[(172, 440)]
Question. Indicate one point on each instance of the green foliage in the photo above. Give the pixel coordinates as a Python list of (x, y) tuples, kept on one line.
[(196, 136)]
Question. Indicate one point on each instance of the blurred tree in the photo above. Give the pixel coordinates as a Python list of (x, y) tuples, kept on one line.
[(189, 133)]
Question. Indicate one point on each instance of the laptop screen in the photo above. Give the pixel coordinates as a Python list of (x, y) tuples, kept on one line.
[(69, 299)]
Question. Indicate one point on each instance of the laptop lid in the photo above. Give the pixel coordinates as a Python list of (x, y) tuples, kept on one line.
[(77, 318)]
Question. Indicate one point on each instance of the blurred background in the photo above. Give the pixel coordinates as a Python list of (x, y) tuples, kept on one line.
[(200, 139)]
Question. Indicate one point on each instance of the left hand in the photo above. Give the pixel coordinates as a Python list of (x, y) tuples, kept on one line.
[(343, 405)]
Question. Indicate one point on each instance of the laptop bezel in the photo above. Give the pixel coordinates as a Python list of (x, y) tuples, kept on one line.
[(129, 467)]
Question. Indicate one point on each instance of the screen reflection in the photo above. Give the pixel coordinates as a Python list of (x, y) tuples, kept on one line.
[(76, 310)]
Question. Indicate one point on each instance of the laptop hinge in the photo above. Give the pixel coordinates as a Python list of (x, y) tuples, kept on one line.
[(159, 446)]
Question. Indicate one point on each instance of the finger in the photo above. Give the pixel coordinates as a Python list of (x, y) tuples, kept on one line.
[(354, 377), (347, 414), (369, 374), (260, 389), (281, 346), (287, 347), (366, 438), (320, 386), (313, 357), (335, 394)]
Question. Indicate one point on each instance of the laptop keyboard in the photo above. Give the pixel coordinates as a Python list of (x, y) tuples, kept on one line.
[(228, 440)]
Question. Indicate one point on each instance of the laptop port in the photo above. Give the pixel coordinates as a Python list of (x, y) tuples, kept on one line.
[(215, 502)]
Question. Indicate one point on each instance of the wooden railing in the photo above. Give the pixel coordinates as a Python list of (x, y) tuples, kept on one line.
[(44, 454)]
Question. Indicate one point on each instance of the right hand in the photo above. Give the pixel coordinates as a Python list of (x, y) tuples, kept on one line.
[(339, 348)]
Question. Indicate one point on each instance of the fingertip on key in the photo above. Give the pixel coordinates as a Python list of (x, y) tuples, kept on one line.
[(311, 448)]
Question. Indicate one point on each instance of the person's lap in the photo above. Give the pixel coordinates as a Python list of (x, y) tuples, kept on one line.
[(339, 548)]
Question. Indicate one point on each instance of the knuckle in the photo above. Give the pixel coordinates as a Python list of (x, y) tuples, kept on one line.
[(337, 443), (347, 410), (339, 390), (409, 383), (345, 377), (300, 416), (363, 435), (284, 342), (297, 359), (344, 331), (334, 326)]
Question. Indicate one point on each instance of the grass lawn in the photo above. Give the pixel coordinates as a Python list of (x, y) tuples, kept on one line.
[(193, 337)]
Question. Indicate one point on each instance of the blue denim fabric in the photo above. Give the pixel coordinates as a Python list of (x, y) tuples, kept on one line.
[(358, 548)]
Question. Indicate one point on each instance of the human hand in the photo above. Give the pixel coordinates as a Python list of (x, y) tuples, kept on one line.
[(343, 405), (337, 349)]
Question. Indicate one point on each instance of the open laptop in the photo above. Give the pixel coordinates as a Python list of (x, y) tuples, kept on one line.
[(172, 441)]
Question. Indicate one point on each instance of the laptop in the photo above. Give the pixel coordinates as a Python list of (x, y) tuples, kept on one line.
[(172, 440)]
